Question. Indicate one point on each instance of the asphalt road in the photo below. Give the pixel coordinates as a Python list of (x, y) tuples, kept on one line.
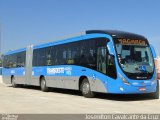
[(31, 100)]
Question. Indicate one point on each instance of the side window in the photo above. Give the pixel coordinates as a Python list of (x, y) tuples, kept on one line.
[(53, 52), (56, 57), (21, 57), (111, 67), (75, 53), (14, 60), (102, 53), (101, 59), (39, 58), (68, 50), (49, 61), (87, 53), (81, 53), (59, 55), (6, 61), (42, 57), (72, 54), (34, 58)]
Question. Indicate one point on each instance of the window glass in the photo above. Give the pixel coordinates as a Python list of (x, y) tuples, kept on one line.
[(82, 53), (34, 58), (135, 58), (48, 56), (15, 60), (39, 57), (101, 59), (60, 55), (111, 67)]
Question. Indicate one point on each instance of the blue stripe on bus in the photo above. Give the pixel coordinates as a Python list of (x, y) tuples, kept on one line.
[(111, 85)]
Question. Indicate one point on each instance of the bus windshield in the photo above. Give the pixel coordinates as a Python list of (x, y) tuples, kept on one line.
[(135, 58)]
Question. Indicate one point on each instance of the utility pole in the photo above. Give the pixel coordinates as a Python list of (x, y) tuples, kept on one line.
[(0, 39)]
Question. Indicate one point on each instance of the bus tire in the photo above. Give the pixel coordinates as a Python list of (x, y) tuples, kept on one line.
[(43, 86), (13, 82), (155, 95), (85, 89)]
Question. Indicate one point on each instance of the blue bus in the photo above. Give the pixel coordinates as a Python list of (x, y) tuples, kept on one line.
[(105, 61)]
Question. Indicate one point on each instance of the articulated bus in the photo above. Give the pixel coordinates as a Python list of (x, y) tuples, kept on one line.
[(105, 61)]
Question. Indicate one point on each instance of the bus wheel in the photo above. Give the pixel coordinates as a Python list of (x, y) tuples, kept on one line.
[(13, 82), (85, 89), (43, 86), (155, 95)]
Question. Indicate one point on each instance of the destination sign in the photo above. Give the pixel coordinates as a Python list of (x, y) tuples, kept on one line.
[(124, 41)]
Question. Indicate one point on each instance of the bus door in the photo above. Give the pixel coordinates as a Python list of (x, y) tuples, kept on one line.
[(28, 69), (101, 67), (101, 59)]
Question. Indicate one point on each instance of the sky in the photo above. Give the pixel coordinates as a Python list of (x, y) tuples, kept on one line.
[(25, 22)]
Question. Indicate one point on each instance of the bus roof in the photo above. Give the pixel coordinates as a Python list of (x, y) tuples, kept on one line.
[(71, 39), (91, 33), (117, 34)]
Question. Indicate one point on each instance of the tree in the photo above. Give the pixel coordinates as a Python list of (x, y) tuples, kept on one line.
[(1, 60)]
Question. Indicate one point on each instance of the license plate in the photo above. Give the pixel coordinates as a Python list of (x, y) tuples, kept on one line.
[(142, 89)]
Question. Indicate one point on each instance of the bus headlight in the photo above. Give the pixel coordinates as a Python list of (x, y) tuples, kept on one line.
[(124, 79), (154, 81)]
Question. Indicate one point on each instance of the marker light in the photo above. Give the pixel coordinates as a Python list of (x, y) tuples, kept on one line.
[(121, 89), (124, 79), (154, 81)]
